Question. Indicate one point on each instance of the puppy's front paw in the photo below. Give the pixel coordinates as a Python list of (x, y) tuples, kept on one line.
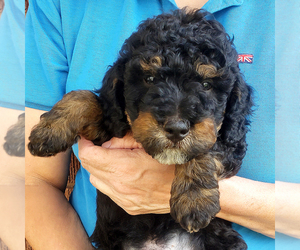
[(79, 112), (195, 212), (50, 137)]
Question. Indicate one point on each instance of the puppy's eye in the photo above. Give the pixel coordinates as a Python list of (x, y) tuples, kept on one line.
[(149, 79), (206, 85)]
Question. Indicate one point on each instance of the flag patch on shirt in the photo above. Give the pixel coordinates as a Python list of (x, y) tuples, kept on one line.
[(245, 58)]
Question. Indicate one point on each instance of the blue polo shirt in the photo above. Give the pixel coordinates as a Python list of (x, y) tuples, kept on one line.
[(12, 55), (252, 23), (287, 119), (70, 45)]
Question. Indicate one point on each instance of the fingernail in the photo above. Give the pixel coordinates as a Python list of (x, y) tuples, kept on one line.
[(106, 144)]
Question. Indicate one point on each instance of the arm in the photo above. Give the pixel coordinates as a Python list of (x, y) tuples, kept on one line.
[(146, 185), (288, 208), (51, 222), (12, 189), (248, 203)]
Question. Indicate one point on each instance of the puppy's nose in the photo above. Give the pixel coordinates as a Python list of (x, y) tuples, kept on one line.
[(177, 130)]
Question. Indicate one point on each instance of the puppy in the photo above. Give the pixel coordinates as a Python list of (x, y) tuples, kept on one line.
[(178, 89)]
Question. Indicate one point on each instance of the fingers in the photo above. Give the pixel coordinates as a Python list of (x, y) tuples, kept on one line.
[(105, 188), (130, 177), (84, 144), (117, 149), (133, 204), (97, 160), (92, 156), (89, 152), (127, 142)]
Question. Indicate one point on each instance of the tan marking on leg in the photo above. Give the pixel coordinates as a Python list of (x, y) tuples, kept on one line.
[(78, 113), (194, 195), (219, 168)]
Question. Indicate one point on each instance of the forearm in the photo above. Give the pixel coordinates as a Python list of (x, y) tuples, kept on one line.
[(51, 222), (12, 215), (12, 168), (248, 203), (12, 188), (288, 208)]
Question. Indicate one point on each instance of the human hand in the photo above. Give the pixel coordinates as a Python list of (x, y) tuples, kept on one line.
[(122, 170)]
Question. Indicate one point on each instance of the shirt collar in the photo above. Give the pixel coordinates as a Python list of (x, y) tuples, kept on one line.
[(217, 5)]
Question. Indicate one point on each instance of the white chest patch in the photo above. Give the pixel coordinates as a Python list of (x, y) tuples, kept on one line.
[(176, 241)]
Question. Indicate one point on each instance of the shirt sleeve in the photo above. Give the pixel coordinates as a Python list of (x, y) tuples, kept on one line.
[(45, 59)]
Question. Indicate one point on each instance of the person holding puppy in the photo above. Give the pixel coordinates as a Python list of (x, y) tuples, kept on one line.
[(69, 47)]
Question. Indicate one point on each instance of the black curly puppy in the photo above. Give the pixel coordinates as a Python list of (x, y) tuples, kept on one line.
[(177, 87)]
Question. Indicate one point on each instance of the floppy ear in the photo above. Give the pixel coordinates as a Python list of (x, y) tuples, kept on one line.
[(236, 125), (112, 99)]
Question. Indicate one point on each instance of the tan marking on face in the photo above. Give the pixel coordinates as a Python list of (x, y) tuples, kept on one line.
[(115, 81), (147, 131), (206, 132), (154, 63), (128, 118), (206, 71), (144, 121), (219, 127), (144, 125)]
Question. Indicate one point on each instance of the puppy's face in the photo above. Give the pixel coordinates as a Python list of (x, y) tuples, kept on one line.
[(175, 103)]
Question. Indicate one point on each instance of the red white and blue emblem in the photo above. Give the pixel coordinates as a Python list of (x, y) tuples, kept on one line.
[(245, 58)]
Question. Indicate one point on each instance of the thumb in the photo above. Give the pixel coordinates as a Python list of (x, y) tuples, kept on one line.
[(83, 143), (127, 142), (92, 156), (86, 149)]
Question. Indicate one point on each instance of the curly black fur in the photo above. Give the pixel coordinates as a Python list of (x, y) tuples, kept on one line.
[(178, 88), (180, 39)]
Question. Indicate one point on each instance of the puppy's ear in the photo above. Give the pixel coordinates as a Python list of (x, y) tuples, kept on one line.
[(236, 125), (112, 99)]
